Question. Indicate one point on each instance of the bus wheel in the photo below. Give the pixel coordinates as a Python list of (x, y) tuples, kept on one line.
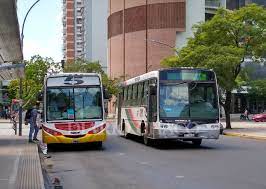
[(126, 135), (197, 142), (147, 141)]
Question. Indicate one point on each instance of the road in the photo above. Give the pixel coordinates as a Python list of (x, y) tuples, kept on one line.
[(128, 164)]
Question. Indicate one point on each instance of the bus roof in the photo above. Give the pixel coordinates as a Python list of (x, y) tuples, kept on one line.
[(74, 73), (155, 74)]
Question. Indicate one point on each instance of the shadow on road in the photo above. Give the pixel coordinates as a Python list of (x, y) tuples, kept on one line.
[(169, 144), (186, 145), (74, 147)]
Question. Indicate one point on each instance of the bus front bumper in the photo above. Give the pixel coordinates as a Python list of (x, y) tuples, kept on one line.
[(186, 134), (50, 139)]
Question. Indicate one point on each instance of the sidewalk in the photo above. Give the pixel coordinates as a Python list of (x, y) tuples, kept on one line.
[(19, 160), (247, 129)]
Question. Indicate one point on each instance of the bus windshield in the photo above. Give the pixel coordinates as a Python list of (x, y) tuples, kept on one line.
[(174, 101), (188, 101), (74, 103)]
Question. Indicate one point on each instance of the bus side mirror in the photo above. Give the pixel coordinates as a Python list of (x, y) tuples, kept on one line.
[(106, 94)]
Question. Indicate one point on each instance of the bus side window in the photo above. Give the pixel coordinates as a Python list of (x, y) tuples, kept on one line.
[(140, 93), (125, 97), (129, 95), (153, 101), (135, 95), (145, 93)]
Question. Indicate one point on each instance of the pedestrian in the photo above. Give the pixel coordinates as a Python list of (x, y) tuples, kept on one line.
[(246, 113), (34, 129)]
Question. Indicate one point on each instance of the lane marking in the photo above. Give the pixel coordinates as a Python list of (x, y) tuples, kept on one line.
[(180, 177)]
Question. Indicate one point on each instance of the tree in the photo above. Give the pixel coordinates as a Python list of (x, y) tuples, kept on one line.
[(222, 44), (35, 71), (257, 89), (85, 66)]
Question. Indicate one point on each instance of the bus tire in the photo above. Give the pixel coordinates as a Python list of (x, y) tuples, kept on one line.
[(197, 142), (147, 141), (126, 135)]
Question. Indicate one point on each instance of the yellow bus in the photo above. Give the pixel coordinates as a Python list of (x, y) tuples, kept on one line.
[(74, 109)]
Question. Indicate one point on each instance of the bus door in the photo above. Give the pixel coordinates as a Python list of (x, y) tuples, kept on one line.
[(152, 105)]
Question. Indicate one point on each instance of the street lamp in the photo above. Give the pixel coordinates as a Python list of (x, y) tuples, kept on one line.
[(20, 80)]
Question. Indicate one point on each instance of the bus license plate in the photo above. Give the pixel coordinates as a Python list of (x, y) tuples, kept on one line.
[(189, 135)]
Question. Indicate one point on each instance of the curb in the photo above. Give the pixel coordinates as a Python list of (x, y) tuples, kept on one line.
[(242, 135), (29, 173)]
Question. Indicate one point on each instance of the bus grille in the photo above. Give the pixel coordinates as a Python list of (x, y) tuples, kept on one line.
[(74, 136)]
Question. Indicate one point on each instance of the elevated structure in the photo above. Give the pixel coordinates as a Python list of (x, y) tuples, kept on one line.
[(10, 47)]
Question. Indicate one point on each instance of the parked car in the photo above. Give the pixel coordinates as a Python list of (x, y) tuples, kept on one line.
[(259, 117)]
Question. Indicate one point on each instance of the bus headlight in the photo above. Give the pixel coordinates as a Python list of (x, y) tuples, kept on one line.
[(164, 126), (215, 126), (52, 132)]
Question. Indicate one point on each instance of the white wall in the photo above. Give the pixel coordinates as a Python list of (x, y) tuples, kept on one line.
[(96, 32), (195, 13)]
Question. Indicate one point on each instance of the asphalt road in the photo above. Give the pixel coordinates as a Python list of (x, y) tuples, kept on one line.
[(229, 162)]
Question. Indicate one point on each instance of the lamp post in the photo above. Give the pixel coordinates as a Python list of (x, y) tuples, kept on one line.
[(20, 80)]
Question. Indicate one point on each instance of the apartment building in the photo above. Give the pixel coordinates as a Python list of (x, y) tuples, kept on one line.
[(211, 6), (85, 30)]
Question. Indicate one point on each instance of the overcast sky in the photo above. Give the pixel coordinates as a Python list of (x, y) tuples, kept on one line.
[(43, 28)]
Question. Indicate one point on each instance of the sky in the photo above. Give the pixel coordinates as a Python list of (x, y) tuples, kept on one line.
[(43, 28)]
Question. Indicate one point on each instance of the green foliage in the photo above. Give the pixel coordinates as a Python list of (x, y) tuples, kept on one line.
[(222, 44), (35, 71), (85, 66), (257, 89)]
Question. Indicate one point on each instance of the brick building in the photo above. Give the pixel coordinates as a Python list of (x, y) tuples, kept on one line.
[(143, 32)]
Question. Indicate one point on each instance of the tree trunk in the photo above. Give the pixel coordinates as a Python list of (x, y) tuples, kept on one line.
[(227, 109)]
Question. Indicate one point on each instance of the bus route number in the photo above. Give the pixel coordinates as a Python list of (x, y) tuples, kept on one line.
[(73, 80)]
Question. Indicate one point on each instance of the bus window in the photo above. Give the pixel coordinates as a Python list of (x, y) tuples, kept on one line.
[(135, 94), (88, 103), (129, 95), (146, 88), (140, 92), (125, 97), (152, 101), (60, 105)]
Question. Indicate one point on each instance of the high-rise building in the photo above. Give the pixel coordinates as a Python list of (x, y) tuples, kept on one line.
[(85, 30), (69, 30), (95, 25)]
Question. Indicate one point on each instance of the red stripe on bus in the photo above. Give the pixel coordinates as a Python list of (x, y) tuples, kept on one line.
[(74, 126), (97, 129), (131, 115)]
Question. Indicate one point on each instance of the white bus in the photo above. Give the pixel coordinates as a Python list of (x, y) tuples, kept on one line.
[(180, 103), (74, 109)]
